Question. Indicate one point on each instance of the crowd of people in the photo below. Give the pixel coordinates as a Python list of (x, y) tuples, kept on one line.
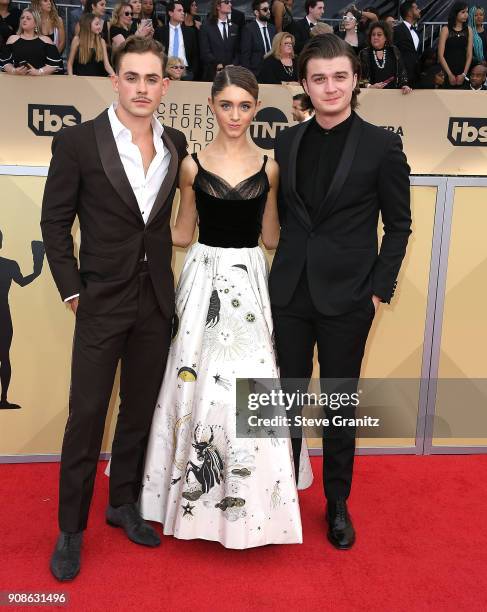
[(32, 42)]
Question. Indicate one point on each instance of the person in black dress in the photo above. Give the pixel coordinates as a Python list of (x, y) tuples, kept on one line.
[(382, 65), (455, 46), (88, 55), (9, 20), (191, 17), (350, 33), (27, 53), (120, 24), (279, 66)]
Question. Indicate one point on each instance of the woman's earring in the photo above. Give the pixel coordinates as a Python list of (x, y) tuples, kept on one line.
[(36, 30)]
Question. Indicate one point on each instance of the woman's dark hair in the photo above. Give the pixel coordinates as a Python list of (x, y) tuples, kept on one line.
[(452, 15), (329, 46), (89, 5), (238, 76), (380, 25)]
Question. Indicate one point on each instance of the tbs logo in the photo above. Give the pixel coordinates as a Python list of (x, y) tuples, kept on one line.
[(47, 119), (468, 131)]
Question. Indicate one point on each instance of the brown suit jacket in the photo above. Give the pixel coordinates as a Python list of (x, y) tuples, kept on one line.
[(87, 179)]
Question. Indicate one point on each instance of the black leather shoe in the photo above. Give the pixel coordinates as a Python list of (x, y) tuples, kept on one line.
[(65, 561), (340, 528), (137, 530)]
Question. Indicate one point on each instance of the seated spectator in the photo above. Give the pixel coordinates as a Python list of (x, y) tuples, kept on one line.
[(179, 40), (148, 11), (28, 53), (408, 40), (455, 45), (97, 8), (476, 18), (282, 15), (279, 66), (219, 39), (302, 28), (88, 55), (51, 24), (257, 37), (175, 69), (349, 32), (321, 28), (191, 17), (120, 24), (432, 78), (140, 27), (382, 66), (476, 80), (302, 108), (9, 20)]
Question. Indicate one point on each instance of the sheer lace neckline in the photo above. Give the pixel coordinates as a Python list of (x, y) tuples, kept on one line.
[(226, 183)]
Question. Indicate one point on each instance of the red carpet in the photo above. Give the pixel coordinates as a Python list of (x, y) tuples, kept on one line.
[(421, 545)]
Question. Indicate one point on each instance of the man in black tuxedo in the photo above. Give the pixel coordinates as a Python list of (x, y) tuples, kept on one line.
[(408, 40), (328, 277), (219, 40), (237, 17), (302, 28), (178, 40), (257, 37), (118, 175)]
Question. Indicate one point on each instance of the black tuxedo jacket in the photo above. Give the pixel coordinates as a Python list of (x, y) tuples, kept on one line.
[(302, 33), (87, 179), (252, 46), (238, 18), (214, 50), (191, 45), (404, 42), (339, 246)]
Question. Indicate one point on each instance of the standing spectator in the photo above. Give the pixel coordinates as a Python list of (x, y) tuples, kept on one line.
[(382, 66), (279, 66), (282, 15), (477, 79), (140, 27), (148, 11), (120, 24), (51, 24), (349, 32), (219, 40), (476, 22), (302, 108), (238, 18), (175, 69), (257, 37), (74, 15), (455, 46), (365, 17), (390, 20), (180, 41), (191, 17), (407, 39), (29, 53), (9, 20), (99, 9), (302, 28), (88, 55)]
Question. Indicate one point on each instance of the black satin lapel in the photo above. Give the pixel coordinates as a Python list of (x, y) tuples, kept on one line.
[(342, 171), (112, 164), (300, 209), (168, 182)]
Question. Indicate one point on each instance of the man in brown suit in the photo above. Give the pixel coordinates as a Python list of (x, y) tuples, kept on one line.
[(118, 175)]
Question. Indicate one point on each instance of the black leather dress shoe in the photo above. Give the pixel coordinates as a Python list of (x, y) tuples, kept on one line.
[(340, 528), (65, 561), (137, 530)]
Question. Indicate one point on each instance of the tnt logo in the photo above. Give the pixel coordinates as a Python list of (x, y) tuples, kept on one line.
[(47, 119), (266, 126), (468, 131)]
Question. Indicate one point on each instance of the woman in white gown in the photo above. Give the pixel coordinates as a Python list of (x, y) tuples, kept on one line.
[(201, 480)]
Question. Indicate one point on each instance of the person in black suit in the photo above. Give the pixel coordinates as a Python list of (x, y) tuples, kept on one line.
[(117, 174), (328, 277), (302, 28), (179, 41), (237, 17), (219, 40), (408, 40), (257, 37)]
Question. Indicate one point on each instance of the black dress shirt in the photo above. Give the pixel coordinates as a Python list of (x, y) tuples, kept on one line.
[(318, 156)]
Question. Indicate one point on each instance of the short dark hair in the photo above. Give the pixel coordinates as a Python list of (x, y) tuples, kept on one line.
[(380, 25), (304, 100), (405, 8), (329, 46), (256, 4), (310, 4), (170, 6), (139, 45), (238, 76)]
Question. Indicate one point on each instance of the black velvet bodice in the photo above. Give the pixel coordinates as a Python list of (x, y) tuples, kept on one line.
[(230, 217)]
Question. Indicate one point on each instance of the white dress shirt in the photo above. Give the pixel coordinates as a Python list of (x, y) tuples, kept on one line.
[(220, 27), (262, 25), (181, 52), (414, 35), (145, 186)]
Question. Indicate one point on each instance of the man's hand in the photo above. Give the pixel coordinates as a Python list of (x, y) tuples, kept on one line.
[(73, 304), (376, 302)]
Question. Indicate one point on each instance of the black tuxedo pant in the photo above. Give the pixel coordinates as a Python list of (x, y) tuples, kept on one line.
[(137, 334), (341, 343)]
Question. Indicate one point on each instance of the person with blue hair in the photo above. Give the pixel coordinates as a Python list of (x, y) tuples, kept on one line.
[(476, 17)]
